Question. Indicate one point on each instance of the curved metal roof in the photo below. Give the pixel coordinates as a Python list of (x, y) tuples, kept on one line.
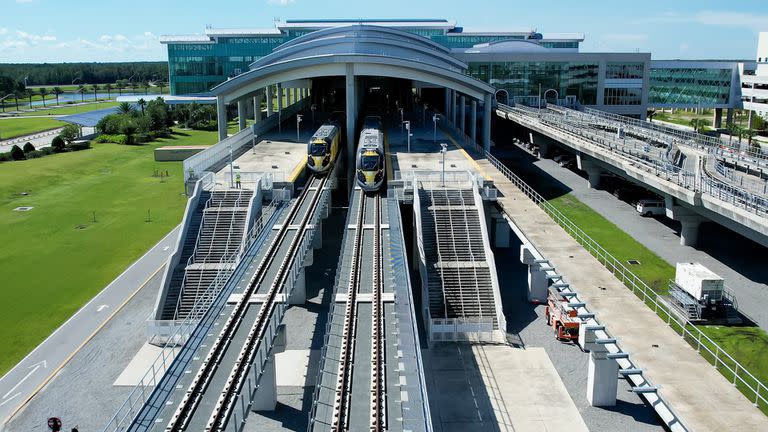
[(371, 50)]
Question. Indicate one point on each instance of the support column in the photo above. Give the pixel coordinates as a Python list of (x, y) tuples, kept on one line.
[(593, 171), (729, 116), (265, 398), (317, 240), (473, 121), (221, 117), (689, 221), (717, 119), (351, 115), (447, 104), (257, 107), (299, 292), (454, 109), (462, 114), (279, 97), (602, 379), (487, 122), (749, 119), (268, 93), (537, 279), (241, 115)]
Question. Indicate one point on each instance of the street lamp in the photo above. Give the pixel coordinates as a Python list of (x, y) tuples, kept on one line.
[(253, 146), (401, 120), (299, 117), (407, 124), (435, 117), (443, 150), (424, 115), (231, 167), (539, 96), (313, 108)]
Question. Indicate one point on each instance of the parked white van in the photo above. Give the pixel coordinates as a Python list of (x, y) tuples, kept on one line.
[(651, 207)]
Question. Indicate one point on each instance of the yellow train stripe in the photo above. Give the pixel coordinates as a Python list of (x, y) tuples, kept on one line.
[(477, 166)]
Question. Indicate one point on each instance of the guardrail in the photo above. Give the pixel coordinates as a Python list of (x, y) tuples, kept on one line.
[(26, 138), (645, 159), (734, 371)]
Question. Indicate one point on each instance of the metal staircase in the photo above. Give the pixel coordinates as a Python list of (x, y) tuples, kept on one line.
[(459, 277), (220, 235)]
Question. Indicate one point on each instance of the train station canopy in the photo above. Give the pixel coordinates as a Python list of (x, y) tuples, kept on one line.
[(360, 50), (88, 119)]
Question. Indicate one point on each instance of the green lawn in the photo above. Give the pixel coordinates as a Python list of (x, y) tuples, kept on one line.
[(54, 258), (70, 109), (13, 127)]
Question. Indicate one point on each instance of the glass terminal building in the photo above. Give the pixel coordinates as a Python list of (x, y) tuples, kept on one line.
[(521, 64)]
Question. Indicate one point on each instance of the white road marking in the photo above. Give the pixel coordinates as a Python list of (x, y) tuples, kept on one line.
[(34, 368), (101, 308), (10, 399), (166, 248)]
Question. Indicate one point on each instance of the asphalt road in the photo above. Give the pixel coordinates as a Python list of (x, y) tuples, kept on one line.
[(32, 373)]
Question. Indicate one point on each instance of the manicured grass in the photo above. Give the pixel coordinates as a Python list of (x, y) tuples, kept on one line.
[(55, 258), (14, 127), (70, 109)]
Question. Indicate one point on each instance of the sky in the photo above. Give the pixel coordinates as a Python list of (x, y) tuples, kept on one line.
[(108, 30)]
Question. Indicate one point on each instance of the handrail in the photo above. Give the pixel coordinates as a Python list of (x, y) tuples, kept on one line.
[(755, 389)]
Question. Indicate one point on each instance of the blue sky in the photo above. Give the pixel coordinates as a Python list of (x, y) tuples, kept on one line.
[(108, 30)]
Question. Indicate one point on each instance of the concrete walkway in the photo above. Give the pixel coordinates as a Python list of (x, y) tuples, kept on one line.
[(701, 397)]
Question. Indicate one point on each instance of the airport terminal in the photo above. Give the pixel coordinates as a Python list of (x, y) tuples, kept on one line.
[(359, 255)]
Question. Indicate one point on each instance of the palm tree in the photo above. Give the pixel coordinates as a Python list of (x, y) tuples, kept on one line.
[(732, 130), (125, 108), (749, 133), (29, 95), (108, 88), (17, 94), (697, 124), (145, 84), (95, 88), (43, 92), (119, 85), (651, 114), (57, 91), (133, 86), (142, 103), (160, 84), (81, 90)]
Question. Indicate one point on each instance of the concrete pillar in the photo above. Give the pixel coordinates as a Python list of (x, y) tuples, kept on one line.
[(749, 120), (351, 115), (415, 259), (279, 97), (602, 379), (501, 232), (299, 292), (221, 117), (729, 116), (462, 113), (487, 123), (257, 107), (317, 240), (537, 279), (268, 93), (593, 171), (241, 114), (454, 109), (473, 121), (689, 221), (717, 119), (447, 104), (265, 398)]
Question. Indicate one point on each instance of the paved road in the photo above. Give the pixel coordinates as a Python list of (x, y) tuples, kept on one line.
[(37, 368), (733, 257)]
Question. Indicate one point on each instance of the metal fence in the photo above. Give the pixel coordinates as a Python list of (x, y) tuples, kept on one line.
[(734, 371)]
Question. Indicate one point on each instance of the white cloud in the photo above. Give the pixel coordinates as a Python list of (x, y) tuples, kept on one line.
[(625, 37), (3, 30), (35, 39), (281, 2), (714, 18)]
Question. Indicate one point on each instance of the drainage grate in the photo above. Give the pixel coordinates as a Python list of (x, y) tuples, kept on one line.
[(23, 208), (633, 262)]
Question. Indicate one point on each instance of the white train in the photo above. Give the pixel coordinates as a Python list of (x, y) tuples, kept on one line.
[(369, 161)]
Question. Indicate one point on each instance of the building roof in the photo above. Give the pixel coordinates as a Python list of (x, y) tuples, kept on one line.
[(428, 23), (506, 46), (88, 119), (234, 32), (193, 38)]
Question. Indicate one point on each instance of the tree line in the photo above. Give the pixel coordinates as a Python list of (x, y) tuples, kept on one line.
[(81, 73)]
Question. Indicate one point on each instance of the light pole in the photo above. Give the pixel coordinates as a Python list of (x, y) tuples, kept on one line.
[(424, 115), (253, 146), (313, 108), (231, 167), (401, 120), (539, 96), (298, 122), (407, 124), (435, 117), (443, 150)]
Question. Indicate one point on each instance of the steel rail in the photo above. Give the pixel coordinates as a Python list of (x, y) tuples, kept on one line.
[(194, 394), (237, 377), (343, 394), (378, 381)]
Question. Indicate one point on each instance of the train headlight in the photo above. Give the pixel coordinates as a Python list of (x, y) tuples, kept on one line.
[(310, 161)]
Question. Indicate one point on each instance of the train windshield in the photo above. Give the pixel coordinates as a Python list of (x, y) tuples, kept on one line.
[(317, 149), (370, 162)]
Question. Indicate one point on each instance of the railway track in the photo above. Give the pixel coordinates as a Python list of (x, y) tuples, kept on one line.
[(343, 392), (237, 377)]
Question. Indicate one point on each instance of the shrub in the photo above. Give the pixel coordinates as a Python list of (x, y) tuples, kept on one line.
[(69, 133), (110, 124), (80, 146), (28, 147), (58, 144), (45, 151), (205, 125), (17, 153), (117, 139), (34, 154), (5, 157)]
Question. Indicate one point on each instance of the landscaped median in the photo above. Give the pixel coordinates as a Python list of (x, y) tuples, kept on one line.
[(737, 352), (93, 213)]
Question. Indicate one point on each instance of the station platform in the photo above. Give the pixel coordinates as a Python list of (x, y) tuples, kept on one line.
[(285, 159), (702, 398)]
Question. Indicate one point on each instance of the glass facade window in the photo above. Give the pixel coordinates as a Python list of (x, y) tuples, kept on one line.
[(624, 70), (560, 44), (623, 96), (523, 78), (689, 86)]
